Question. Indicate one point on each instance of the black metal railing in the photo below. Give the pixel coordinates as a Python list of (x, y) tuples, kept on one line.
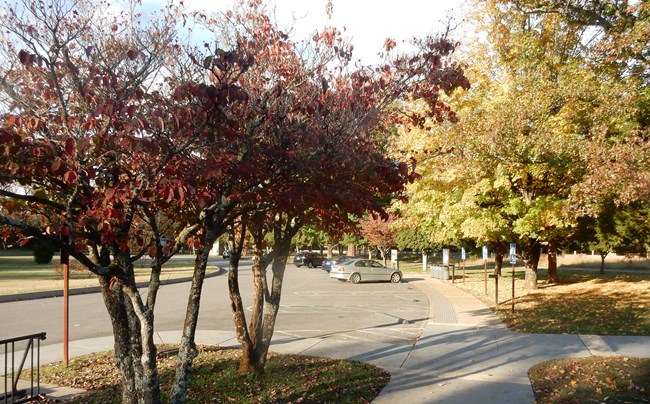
[(12, 394)]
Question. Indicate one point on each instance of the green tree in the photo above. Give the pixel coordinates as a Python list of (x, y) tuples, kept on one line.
[(531, 130)]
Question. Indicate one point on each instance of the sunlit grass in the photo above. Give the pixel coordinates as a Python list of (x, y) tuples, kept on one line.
[(592, 380), (287, 378), (20, 274)]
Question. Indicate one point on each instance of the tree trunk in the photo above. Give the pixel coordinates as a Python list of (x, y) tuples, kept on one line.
[(384, 254), (251, 361), (237, 305), (498, 263), (531, 259), (352, 250), (553, 276), (214, 226), (187, 350), (135, 351), (114, 302), (266, 302), (602, 262)]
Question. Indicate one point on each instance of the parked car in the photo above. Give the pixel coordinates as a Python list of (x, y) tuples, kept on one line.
[(309, 259), (225, 254), (327, 264), (358, 270)]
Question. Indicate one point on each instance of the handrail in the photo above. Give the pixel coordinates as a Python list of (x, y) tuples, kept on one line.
[(15, 395)]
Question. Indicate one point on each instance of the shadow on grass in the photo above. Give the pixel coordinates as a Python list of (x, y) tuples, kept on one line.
[(287, 378)]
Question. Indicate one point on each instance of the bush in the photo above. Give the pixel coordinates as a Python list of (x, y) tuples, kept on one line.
[(43, 252)]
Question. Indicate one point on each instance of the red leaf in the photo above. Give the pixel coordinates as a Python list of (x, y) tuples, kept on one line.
[(69, 146), (56, 166), (70, 177), (24, 57), (109, 193)]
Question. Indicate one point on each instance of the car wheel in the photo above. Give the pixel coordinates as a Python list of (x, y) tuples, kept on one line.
[(310, 264), (355, 278), (395, 277)]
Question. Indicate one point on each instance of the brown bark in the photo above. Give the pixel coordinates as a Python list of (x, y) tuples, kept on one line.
[(135, 352), (256, 340), (236, 241), (237, 306), (252, 361), (531, 260), (498, 263), (553, 276), (187, 350)]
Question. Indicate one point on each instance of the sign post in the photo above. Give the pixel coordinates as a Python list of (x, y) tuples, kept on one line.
[(485, 258), (462, 257), (65, 261), (513, 261)]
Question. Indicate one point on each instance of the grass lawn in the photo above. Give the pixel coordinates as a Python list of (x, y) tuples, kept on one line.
[(583, 303), (288, 378), (592, 380), (20, 274)]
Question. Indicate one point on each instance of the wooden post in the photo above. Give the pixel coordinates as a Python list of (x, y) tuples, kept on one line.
[(485, 274), (65, 261), (496, 291), (463, 272), (513, 288)]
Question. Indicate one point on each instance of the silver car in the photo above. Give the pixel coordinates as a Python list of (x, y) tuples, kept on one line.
[(357, 270)]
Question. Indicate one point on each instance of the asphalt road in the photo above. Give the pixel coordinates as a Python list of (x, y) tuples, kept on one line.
[(313, 305)]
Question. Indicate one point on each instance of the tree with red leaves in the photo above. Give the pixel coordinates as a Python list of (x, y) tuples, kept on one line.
[(116, 140), (379, 234), (313, 131), (109, 156)]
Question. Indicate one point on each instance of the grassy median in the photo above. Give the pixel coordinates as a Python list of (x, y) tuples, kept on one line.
[(20, 274)]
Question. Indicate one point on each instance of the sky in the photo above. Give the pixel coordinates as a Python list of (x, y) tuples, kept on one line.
[(367, 22)]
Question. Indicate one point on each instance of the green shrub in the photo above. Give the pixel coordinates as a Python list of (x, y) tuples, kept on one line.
[(43, 252)]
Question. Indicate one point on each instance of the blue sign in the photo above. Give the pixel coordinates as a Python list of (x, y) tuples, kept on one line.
[(485, 252), (462, 253), (513, 253)]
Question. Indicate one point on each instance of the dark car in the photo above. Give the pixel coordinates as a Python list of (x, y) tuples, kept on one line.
[(308, 259), (327, 264)]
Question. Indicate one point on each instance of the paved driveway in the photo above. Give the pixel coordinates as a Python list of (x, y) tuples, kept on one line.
[(313, 305)]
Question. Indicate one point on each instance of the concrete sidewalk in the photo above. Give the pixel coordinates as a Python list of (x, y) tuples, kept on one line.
[(464, 355)]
